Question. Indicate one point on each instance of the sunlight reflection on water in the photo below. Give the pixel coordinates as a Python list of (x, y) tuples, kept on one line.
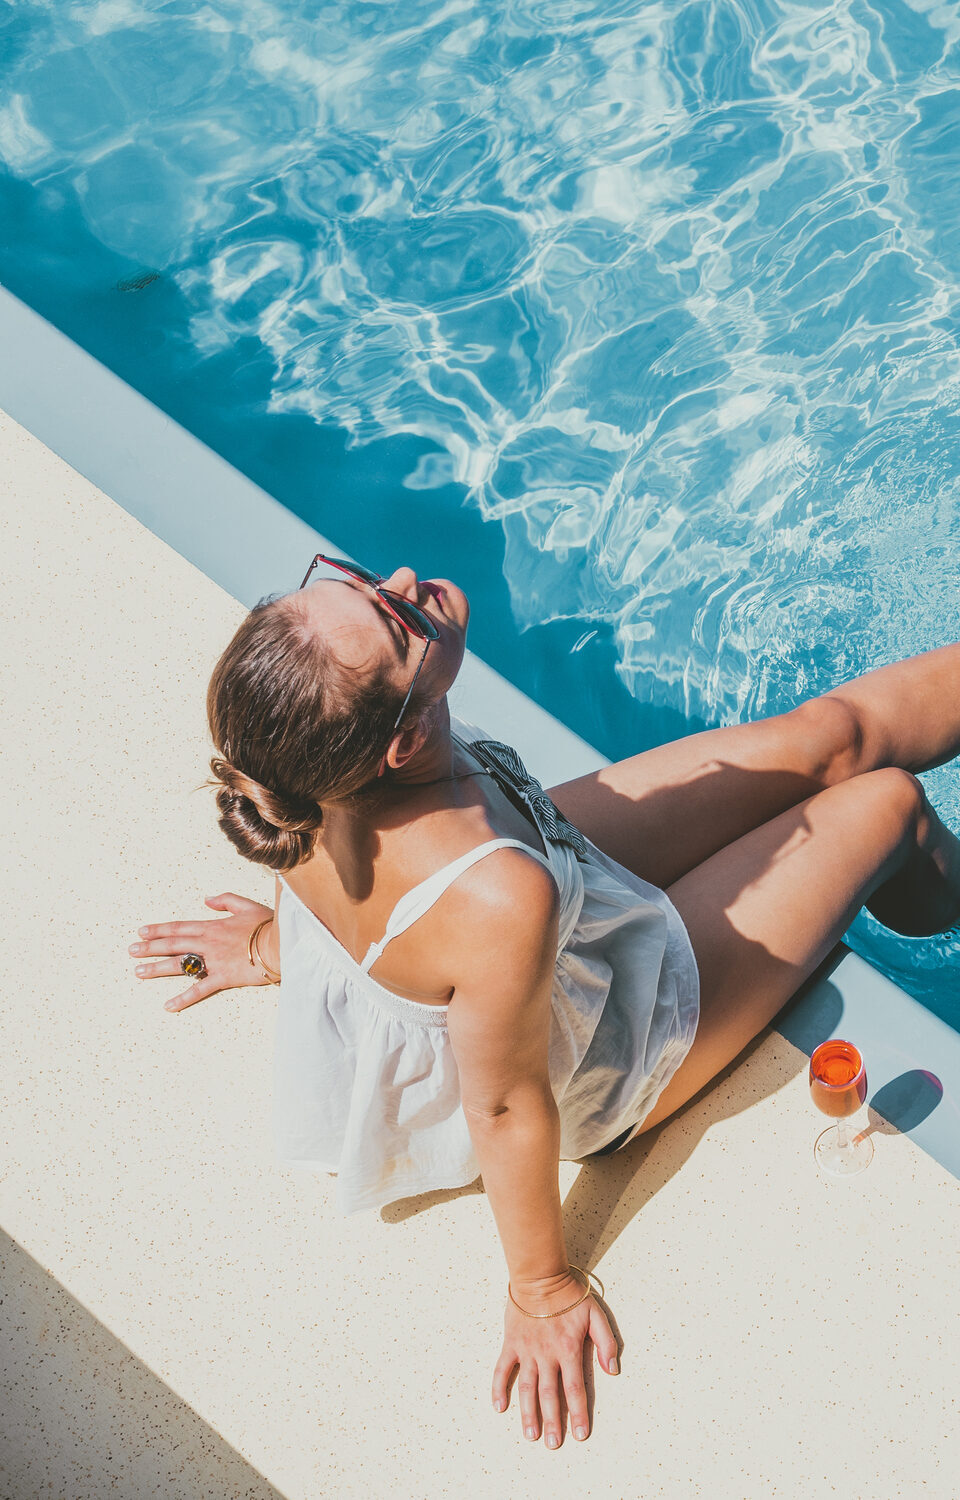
[(670, 289)]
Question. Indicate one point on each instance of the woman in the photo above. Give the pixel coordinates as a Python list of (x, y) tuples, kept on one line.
[(479, 977)]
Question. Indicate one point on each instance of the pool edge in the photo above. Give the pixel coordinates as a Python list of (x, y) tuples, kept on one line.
[(141, 458)]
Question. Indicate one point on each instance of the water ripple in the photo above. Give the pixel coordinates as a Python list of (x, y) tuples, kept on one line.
[(672, 288)]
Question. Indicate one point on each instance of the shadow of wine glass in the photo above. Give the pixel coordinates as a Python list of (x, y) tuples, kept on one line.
[(903, 1103)]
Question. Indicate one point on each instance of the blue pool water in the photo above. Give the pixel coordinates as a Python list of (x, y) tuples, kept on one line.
[(640, 320)]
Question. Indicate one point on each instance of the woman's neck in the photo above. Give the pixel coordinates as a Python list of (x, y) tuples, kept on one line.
[(437, 762)]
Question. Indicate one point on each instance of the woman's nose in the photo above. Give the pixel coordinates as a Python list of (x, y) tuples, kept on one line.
[(404, 581)]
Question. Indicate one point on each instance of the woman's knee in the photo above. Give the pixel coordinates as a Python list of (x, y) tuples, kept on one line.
[(900, 787), (832, 734), (901, 797)]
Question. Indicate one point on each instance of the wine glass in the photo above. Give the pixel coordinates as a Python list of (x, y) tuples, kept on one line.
[(838, 1087)]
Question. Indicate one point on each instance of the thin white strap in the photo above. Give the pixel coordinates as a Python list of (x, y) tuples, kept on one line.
[(422, 896)]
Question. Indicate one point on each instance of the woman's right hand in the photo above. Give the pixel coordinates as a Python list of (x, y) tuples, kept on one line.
[(550, 1354), (221, 942)]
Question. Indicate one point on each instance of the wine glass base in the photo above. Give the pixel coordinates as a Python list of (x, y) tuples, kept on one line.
[(842, 1163)]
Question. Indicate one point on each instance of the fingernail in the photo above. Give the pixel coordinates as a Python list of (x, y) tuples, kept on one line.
[(498, 1406), (135, 948), (143, 931), (612, 1366), (141, 968), (531, 1432), (581, 1433), (170, 1005), (552, 1440)]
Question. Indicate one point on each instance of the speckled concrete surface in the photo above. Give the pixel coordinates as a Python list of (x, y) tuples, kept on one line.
[(182, 1317)]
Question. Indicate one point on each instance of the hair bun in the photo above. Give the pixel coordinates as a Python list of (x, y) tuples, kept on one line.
[(290, 814), (265, 827)]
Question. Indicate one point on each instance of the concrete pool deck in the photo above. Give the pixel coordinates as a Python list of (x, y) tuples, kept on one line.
[(181, 1317)]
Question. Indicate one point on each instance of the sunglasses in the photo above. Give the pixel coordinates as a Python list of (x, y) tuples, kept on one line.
[(410, 616)]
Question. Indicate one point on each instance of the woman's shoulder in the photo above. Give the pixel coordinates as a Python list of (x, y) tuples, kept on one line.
[(478, 868), (505, 906), (505, 903), (509, 872)]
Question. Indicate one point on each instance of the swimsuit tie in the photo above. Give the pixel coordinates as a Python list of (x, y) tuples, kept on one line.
[(503, 758)]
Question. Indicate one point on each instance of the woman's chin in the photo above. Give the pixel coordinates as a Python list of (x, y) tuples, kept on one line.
[(463, 602), (452, 601)]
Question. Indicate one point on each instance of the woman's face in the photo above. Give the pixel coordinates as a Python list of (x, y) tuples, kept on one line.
[(363, 635)]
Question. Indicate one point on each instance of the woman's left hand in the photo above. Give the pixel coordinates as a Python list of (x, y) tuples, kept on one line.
[(222, 943)]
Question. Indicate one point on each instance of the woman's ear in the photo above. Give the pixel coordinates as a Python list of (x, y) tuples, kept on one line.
[(404, 745)]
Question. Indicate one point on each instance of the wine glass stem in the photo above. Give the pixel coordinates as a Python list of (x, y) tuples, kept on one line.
[(844, 1132)]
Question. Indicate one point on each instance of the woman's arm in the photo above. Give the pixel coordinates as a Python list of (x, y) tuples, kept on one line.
[(499, 1028)]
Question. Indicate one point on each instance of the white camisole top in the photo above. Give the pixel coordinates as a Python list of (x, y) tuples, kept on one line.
[(365, 1081)]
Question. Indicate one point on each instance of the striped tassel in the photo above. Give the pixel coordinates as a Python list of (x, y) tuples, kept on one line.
[(504, 764)]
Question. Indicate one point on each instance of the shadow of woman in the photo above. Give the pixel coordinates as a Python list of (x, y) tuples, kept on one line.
[(611, 1191)]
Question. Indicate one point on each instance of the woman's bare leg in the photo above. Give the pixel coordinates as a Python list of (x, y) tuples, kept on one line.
[(765, 911), (921, 897), (663, 812), (666, 810), (908, 713)]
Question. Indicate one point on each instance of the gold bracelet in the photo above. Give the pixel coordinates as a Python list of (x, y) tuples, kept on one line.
[(588, 1293), (253, 946), (269, 973), (252, 936)]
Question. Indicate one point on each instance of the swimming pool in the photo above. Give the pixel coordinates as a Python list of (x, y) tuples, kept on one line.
[(640, 321)]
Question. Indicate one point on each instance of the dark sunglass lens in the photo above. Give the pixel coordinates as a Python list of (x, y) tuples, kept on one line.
[(412, 616), (364, 574)]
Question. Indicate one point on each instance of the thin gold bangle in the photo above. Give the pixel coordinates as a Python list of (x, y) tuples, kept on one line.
[(588, 1293), (252, 936), (269, 972), (253, 946)]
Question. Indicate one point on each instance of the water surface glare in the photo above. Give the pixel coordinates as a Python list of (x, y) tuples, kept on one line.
[(665, 293)]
